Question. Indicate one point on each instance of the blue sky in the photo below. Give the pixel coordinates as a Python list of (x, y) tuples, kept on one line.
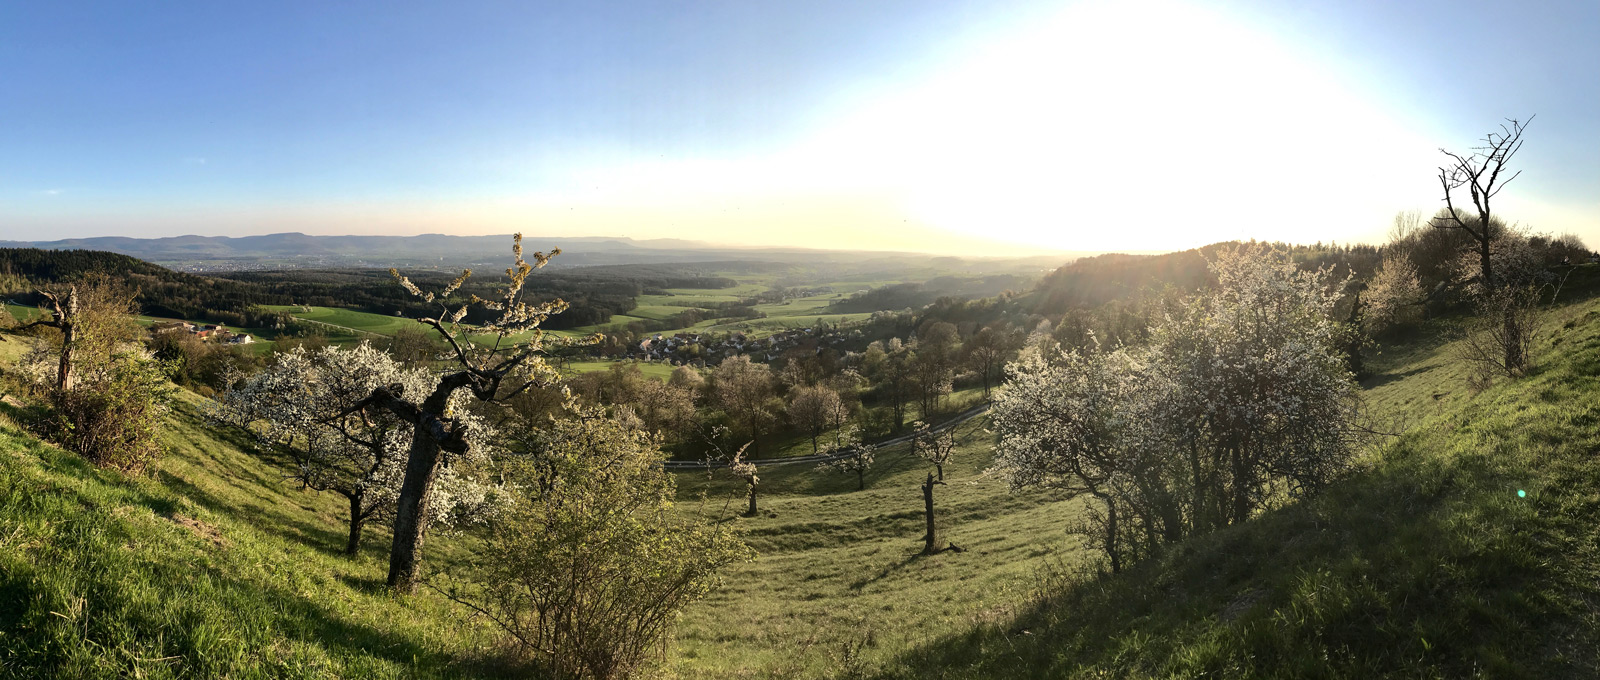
[(948, 126)]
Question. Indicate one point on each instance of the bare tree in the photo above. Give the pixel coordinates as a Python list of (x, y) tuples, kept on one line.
[(1479, 172), (930, 540)]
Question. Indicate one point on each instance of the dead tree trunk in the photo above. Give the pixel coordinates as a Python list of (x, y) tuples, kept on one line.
[(66, 320)]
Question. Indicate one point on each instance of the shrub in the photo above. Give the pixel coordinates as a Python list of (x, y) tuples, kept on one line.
[(113, 420), (587, 568)]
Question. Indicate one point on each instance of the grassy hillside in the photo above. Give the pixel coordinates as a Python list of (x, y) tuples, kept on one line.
[(840, 581), (1424, 563), (213, 567), (1465, 548)]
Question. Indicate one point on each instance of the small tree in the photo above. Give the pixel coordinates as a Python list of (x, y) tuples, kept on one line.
[(589, 567), (854, 457), (1393, 293), (934, 447), (746, 470), (114, 417)]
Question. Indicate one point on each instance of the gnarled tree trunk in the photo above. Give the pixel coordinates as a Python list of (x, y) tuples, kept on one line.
[(411, 515)]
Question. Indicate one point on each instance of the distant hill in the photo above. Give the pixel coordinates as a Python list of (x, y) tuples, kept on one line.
[(296, 250)]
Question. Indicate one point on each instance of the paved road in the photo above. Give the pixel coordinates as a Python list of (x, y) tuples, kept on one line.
[(960, 418)]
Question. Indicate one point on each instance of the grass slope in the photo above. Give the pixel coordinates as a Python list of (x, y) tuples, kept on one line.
[(1466, 548), (840, 581), (214, 566), (1424, 563)]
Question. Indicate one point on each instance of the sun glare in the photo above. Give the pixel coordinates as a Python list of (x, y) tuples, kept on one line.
[(1145, 126)]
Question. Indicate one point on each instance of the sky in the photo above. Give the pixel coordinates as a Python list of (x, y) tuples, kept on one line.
[(980, 127)]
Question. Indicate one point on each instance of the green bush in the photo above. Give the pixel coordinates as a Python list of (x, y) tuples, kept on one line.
[(114, 419), (588, 568)]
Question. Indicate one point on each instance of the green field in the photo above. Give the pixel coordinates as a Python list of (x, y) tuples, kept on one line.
[(21, 313), (348, 321), (649, 369)]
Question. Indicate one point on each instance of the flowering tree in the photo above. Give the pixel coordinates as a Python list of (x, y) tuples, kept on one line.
[(1241, 394), (934, 447), (1393, 291), (746, 470), (856, 457), (492, 362), (743, 389), (811, 408), (1073, 423), (302, 402)]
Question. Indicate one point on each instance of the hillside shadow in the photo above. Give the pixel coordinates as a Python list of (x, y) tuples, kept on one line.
[(1383, 561)]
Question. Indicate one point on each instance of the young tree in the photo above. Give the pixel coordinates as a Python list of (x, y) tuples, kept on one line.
[(854, 458), (492, 370), (934, 447), (301, 402), (589, 567), (113, 416), (746, 470)]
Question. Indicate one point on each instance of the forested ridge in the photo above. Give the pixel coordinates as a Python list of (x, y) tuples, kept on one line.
[(594, 294)]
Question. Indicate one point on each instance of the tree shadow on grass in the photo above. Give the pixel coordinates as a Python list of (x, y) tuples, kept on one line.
[(888, 570), (283, 525)]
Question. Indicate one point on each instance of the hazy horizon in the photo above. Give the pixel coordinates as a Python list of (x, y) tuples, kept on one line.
[(952, 128)]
